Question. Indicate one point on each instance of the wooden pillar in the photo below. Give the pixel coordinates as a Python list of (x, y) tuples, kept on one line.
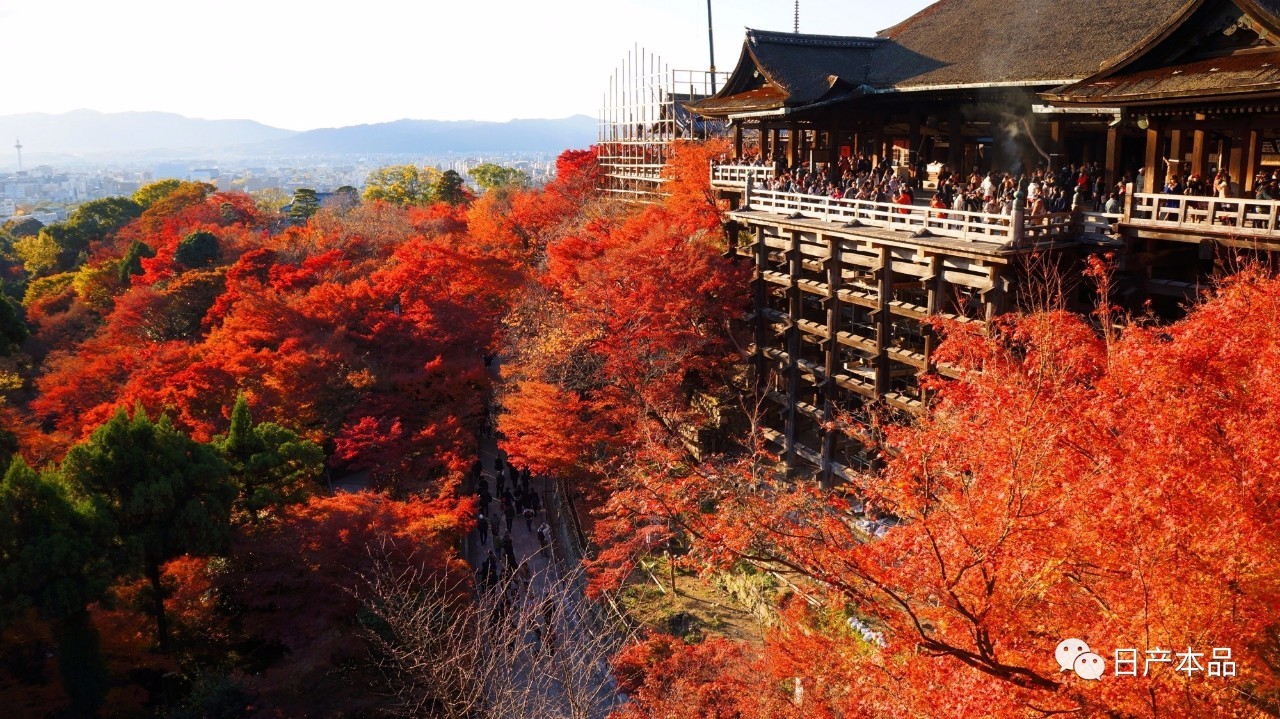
[(884, 382), (994, 297), (933, 286), (1253, 160), (1235, 161), (737, 140), (832, 347), (794, 312), (1197, 150), (833, 157), (1112, 160), (1176, 150), (773, 143), (761, 301), (1152, 164), (1176, 165), (877, 146), (955, 153), (793, 140)]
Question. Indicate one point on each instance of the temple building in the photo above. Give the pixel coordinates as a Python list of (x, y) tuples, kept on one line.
[(932, 169)]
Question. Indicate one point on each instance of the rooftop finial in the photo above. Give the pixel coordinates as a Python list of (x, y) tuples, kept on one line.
[(797, 17)]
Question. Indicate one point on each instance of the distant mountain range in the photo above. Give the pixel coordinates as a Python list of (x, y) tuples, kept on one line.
[(155, 134)]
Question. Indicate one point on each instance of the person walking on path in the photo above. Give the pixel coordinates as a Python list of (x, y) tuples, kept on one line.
[(509, 551), (490, 569), (482, 526), (509, 511), (528, 518), (544, 539)]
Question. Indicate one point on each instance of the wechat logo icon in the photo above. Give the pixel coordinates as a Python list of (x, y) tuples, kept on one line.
[(1075, 655)]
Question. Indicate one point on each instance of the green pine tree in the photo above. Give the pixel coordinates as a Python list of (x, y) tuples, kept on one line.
[(270, 466), (166, 494), (53, 559)]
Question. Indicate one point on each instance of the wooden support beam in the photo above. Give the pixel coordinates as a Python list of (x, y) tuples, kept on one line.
[(884, 317), (737, 140), (1253, 161), (933, 284), (793, 144), (1197, 151), (1153, 164), (1176, 151), (877, 146), (1112, 159), (832, 346), (995, 297), (761, 302), (1236, 161), (955, 153), (795, 311)]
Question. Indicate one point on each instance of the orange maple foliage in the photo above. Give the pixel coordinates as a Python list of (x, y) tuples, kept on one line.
[(379, 312), (1122, 493), (296, 583)]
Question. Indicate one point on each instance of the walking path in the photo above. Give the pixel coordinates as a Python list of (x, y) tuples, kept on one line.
[(563, 668)]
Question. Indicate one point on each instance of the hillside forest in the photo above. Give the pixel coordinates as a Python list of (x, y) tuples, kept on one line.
[(224, 426)]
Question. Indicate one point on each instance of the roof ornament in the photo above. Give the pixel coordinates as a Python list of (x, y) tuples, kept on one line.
[(797, 26)]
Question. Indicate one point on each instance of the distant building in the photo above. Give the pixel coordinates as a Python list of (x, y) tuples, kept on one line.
[(170, 171)]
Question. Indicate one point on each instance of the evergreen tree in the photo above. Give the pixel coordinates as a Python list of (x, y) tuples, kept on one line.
[(166, 494), (305, 204), (13, 329), (198, 249), (270, 466), (131, 263), (53, 548), (450, 188)]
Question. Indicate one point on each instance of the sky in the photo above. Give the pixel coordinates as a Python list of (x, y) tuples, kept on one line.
[(330, 63)]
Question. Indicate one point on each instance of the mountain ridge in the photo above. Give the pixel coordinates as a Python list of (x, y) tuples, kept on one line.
[(89, 132)]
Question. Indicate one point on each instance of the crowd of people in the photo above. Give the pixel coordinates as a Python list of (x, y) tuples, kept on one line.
[(993, 193), (515, 498)]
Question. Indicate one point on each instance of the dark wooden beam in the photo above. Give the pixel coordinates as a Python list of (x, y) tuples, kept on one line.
[(1253, 160), (1111, 161), (794, 309), (832, 346), (1153, 164)]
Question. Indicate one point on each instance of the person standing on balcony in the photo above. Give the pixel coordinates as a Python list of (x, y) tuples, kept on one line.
[(1222, 186)]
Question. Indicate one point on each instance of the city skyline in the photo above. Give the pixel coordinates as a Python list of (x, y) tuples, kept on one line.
[(329, 67)]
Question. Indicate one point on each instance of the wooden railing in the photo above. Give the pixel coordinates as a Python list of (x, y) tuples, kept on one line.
[(634, 171), (1255, 218), (1098, 226), (967, 226), (738, 175)]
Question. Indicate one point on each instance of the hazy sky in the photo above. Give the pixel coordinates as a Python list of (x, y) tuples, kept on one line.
[(326, 63)]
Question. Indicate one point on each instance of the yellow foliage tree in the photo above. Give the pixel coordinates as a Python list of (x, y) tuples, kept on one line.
[(402, 184), (39, 254)]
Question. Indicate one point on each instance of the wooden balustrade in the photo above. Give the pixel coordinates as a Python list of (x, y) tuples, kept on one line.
[(738, 175), (1224, 216), (968, 226)]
